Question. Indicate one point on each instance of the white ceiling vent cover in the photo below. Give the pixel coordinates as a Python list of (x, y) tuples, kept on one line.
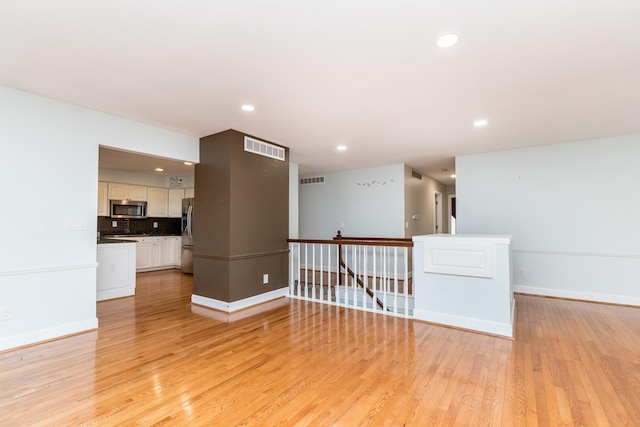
[(262, 148)]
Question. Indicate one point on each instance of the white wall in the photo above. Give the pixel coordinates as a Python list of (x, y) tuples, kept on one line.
[(573, 212), (49, 169), (359, 202), (149, 180)]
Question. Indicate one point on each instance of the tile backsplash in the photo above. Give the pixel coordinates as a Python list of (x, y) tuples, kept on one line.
[(138, 226)]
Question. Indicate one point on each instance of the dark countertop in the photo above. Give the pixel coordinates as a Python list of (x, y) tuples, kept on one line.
[(106, 236), (106, 240)]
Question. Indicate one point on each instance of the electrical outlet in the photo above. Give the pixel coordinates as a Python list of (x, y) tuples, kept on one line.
[(524, 272), (155, 224), (114, 224), (265, 279), (5, 312)]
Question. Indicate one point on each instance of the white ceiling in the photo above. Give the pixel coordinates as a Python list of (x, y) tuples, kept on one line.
[(365, 74)]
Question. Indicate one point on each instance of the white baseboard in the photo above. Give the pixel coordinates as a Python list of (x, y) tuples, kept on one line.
[(230, 307), (494, 328), (578, 295), (115, 293), (47, 334)]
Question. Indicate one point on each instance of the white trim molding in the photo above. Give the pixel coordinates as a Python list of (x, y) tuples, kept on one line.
[(230, 307), (581, 254), (40, 335), (468, 323), (48, 269), (578, 295)]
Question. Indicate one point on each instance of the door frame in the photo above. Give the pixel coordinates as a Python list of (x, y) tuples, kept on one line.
[(437, 217)]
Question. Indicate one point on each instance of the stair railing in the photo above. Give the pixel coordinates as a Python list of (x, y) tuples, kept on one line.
[(366, 273)]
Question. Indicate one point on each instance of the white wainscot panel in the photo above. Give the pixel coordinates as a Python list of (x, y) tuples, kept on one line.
[(447, 258)]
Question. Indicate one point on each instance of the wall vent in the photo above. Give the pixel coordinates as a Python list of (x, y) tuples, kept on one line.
[(313, 180), (416, 174), (262, 148)]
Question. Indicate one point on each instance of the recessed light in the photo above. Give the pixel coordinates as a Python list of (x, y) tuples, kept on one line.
[(341, 147), (188, 163), (479, 123), (159, 170), (247, 107), (447, 40)]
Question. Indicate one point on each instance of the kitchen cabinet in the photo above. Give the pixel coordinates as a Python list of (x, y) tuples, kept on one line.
[(103, 199), (148, 253), (175, 202), (188, 192), (158, 202), (144, 255), (119, 191), (156, 252), (170, 251), (177, 261)]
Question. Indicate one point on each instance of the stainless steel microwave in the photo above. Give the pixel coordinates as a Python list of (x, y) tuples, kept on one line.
[(127, 209)]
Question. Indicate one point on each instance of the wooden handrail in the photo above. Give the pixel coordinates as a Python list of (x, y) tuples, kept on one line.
[(339, 236), (354, 242), (377, 239)]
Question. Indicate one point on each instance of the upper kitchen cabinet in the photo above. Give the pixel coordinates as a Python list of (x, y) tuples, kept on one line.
[(119, 191), (158, 202), (175, 202), (103, 199), (188, 192)]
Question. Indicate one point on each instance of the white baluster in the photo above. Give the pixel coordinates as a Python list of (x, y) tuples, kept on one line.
[(306, 266), (395, 280), (329, 274), (354, 283), (313, 271), (298, 271), (406, 282), (291, 276), (373, 280), (365, 280), (321, 274), (384, 275)]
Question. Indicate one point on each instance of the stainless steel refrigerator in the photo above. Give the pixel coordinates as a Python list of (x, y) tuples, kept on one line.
[(187, 236)]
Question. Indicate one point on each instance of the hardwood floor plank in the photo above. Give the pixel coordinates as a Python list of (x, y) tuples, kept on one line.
[(159, 360)]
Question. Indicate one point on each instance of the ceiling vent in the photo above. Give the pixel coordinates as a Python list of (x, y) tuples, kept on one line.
[(416, 174), (262, 148), (313, 180)]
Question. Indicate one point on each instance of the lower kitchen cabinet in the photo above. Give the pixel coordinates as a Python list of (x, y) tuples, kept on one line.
[(147, 255), (156, 253), (177, 261), (169, 250)]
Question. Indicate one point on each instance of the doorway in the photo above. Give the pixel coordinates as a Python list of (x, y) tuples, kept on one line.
[(452, 214)]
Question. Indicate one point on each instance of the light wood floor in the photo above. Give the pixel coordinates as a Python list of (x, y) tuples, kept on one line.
[(158, 360)]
